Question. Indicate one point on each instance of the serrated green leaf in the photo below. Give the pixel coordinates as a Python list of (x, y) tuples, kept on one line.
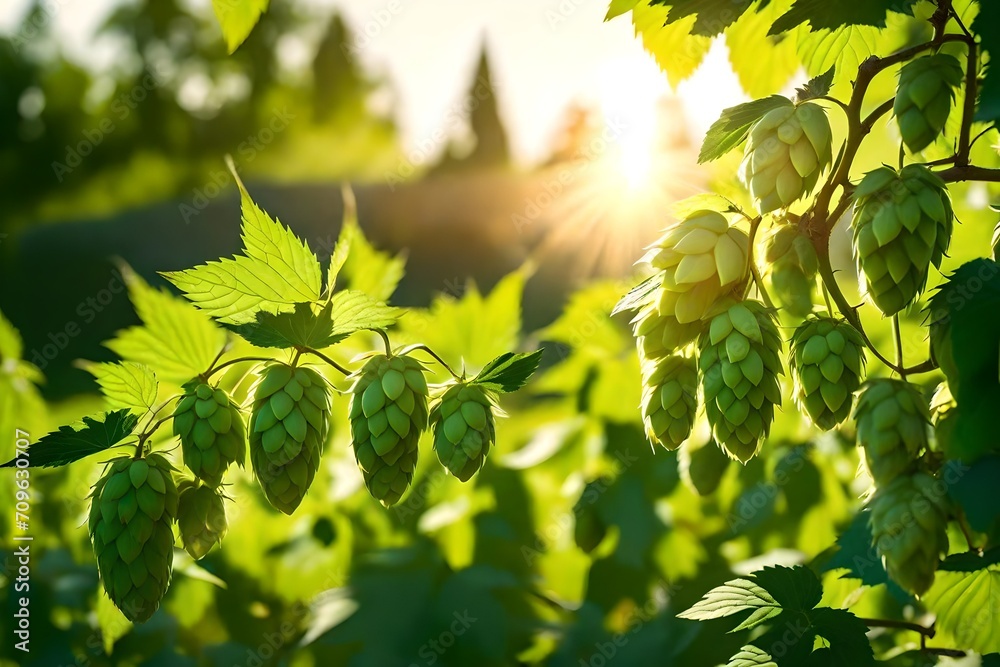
[(843, 49), (342, 250), (818, 86), (967, 605), (976, 492), (675, 49), (277, 271), (734, 124), (368, 269), (639, 295), (354, 311), (67, 444), (731, 598), (175, 340), (619, 7), (751, 656), (764, 63), (970, 561), (308, 326), (857, 554), (509, 372), (793, 588), (713, 16), (125, 384), (822, 14), (846, 635), (237, 19)]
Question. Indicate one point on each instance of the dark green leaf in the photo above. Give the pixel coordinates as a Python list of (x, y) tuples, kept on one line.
[(790, 639), (509, 372), (714, 16), (823, 14), (970, 561), (817, 86), (794, 588), (305, 327), (734, 124), (985, 26), (856, 553), (639, 295), (975, 490), (846, 634), (68, 444)]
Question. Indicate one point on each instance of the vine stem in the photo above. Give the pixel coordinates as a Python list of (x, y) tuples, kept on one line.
[(212, 371), (316, 353), (421, 346), (752, 264), (899, 625), (898, 337), (385, 341)]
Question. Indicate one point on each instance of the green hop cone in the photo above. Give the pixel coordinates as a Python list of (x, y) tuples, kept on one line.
[(133, 507), (464, 430), (289, 425), (828, 360), (669, 399), (909, 529), (892, 423), (201, 518), (388, 412), (701, 466), (658, 335), (902, 224), (740, 364), (702, 259), (924, 96), (791, 266), (788, 149), (210, 427)]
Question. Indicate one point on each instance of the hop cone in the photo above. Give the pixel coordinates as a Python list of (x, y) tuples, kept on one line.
[(892, 427), (909, 521), (388, 412), (289, 425), (464, 431), (201, 518), (791, 268), (659, 335), (669, 399), (739, 366), (902, 224), (924, 96), (702, 259), (210, 426), (828, 358), (701, 466), (131, 513), (787, 150)]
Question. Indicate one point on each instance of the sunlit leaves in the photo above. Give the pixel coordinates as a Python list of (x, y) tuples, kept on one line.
[(366, 268), (764, 63), (734, 125), (676, 50), (125, 384), (713, 16), (967, 605), (237, 18), (69, 444), (509, 372), (822, 14), (731, 598)]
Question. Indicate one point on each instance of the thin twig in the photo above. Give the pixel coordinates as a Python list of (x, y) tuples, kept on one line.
[(316, 353), (421, 346), (385, 341), (899, 625), (212, 371), (898, 336)]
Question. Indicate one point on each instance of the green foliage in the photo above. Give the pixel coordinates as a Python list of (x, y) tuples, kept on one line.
[(237, 18), (69, 444), (508, 372), (734, 125), (832, 15), (126, 384)]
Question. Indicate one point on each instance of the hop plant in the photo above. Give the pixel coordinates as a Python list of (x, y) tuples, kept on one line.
[(788, 149), (658, 335), (909, 529), (388, 412), (210, 427), (902, 224), (702, 259), (924, 96), (289, 425), (791, 266), (828, 358), (133, 507), (464, 430), (892, 423), (944, 414), (701, 466), (669, 399), (201, 518), (739, 363)]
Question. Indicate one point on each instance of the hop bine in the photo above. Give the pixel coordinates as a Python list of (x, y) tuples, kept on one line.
[(388, 412), (924, 97), (739, 363), (892, 424), (210, 427), (828, 358), (289, 425), (464, 429), (788, 149), (909, 529), (902, 224), (669, 399), (791, 267), (133, 507), (201, 518)]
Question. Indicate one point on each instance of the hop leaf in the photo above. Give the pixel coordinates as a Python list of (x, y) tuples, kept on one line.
[(739, 363), (892, 427), (289, 426), (828, 358), (789, 148), (210, 427), (388, 412), (133, 507)]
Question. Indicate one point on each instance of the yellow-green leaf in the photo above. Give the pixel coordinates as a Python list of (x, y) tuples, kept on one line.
[(126, 384), (366, 268), (270, 242), (237, 18), (676, 50), (967, 605), (764, 63)]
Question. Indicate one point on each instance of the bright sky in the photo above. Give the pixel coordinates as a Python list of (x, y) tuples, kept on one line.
[(545, 54)]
